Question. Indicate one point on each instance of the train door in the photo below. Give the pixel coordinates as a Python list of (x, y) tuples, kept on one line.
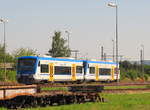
[(117, 73), (92, 72), (51, 72), (97, 73), (112, 73), (73, 72)]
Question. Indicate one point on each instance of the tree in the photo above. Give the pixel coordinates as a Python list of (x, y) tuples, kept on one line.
[(126, 65), (59, 49), (23, 52), (1, 53), (9, 58)]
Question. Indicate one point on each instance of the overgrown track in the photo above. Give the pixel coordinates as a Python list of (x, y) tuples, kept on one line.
[(93, 84), (133, 90), (77, 93), (82, 84)]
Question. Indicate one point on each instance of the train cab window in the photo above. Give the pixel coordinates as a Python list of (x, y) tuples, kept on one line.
[(27, 64), (105, 71), (62, 70), (78, 69), (92, 70), (44, 68)]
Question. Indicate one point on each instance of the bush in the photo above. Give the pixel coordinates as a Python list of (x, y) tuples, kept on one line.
[(148, 86), (146, 77), (132, 74), (10, 75), (1, 75), (147, 69)]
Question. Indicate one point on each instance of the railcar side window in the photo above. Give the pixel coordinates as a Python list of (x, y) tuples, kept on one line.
[(92, 70), (62, 70), (104, 71), (78, 69), (44, 68)]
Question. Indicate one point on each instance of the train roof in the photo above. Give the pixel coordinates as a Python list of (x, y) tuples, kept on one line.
[(100, 62), (50, 58), (65, 59)]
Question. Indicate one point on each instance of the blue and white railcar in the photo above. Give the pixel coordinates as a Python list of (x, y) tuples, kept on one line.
[(100, 71), (36, 69)]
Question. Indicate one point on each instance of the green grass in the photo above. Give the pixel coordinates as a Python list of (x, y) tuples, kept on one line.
[(114, 102), (10, 75), (126, 87), (106, 87), (148, 86), (3, 109), (56, 88)]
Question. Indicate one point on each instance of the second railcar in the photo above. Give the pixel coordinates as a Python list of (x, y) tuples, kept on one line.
[(100, 71)]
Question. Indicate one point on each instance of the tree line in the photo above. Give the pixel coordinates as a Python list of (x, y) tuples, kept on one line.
[(134, 71)]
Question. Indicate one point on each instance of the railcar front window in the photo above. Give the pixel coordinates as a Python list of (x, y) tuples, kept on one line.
[(26, 64)]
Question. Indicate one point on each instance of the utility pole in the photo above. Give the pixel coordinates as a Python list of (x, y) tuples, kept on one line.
[(113, 50), (4, 21), (142, 66), (142, 58), (105, 57), (68, 35), (115, 5), (102, 53)]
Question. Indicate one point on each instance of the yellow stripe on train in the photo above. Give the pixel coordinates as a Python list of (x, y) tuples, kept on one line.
[(51, 71), (112, 72), (73, 72), (97, 72)]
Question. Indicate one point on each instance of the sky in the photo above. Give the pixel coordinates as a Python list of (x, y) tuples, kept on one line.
[(91, 24)]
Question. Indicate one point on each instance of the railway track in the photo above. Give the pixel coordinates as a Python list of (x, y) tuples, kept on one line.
[(133, 90), (22, 96), (93, 84), (82, 84)]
